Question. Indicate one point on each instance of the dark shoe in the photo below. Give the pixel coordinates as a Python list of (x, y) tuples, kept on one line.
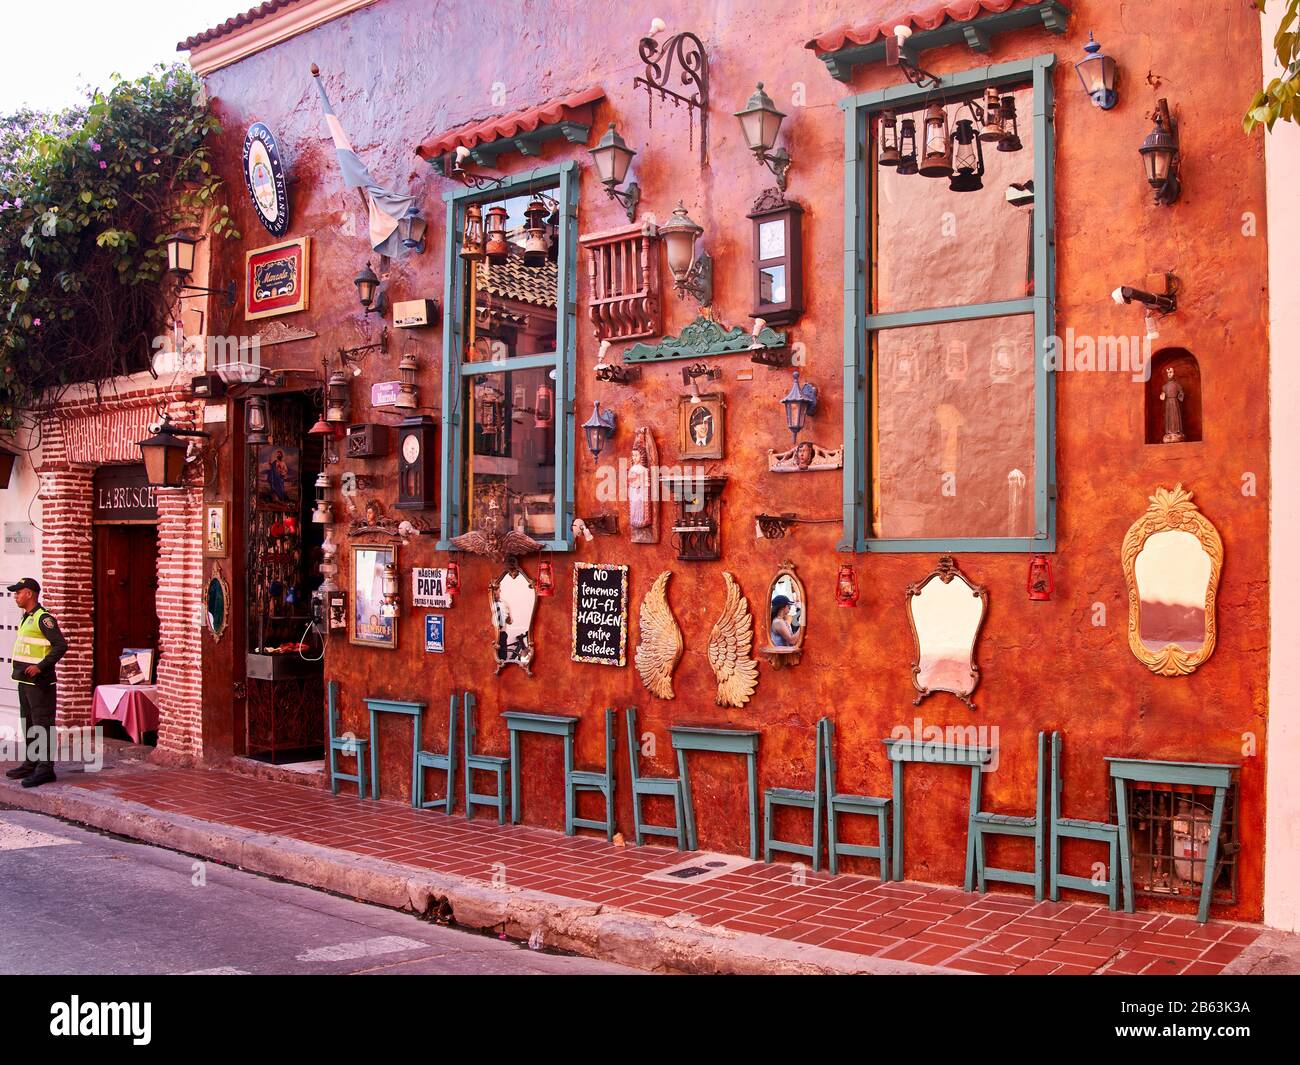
[(39, 777), (20, 771)]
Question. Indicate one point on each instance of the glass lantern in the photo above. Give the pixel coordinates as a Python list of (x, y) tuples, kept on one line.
[(471, 240), (936, 162)]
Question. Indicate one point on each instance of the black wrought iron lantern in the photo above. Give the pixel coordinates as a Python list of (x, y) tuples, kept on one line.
[(799, 402), (180, 253), (497, 248), (991, 128), (471, 237), (598, 429), (164, 454), (367, 283), (889, 153), (411, 227), (612, 157), (535, 232), (1160, 156), (1097, 72), (967, 158), (1010, 141), (936, 162), (907, 147)]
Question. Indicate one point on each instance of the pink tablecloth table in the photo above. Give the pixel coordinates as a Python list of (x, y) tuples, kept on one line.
[(133, 706)]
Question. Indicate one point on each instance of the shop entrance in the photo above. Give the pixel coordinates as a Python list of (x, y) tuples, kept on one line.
[(126, 588)]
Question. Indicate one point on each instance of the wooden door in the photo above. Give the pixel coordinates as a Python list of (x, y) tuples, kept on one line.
[(126, 587)]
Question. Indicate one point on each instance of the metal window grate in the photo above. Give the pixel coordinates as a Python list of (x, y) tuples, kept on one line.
[(1170, 832)]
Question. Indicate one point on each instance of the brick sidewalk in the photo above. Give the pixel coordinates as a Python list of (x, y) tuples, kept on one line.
[(918, 923)]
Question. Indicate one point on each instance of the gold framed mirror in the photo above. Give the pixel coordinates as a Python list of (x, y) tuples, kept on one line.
[(218, 604), (513, 599), (946, 612), (787, 618), (1172, 556)]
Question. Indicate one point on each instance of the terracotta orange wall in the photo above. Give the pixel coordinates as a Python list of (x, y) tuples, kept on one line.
[(400, 70)]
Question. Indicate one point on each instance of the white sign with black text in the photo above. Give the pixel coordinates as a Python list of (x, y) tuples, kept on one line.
[(429, 588)]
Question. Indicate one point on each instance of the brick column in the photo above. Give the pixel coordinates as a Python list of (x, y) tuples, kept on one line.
[(180, 616)]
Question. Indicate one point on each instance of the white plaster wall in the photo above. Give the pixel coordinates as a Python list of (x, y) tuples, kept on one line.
[(1282, 827), (18, 503)]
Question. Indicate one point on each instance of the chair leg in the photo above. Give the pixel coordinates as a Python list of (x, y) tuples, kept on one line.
[(1113, 885), (883, 818), (334, 768), (979, 858), (501, 796), (681, 821), (570, 805), (1054, 892), (832, 842), (767, 829), (636, 816), (1038, 864), (608, 792), (417, 788)]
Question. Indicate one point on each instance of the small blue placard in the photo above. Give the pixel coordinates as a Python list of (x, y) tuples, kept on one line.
[(433, 633)]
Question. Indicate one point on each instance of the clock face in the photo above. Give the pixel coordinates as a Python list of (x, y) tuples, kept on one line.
[(411, 448)]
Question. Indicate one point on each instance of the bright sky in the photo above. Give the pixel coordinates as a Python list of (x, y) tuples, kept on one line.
[(52, 49)]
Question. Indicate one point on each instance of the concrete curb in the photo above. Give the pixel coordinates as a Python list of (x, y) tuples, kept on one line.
[(606, 933)]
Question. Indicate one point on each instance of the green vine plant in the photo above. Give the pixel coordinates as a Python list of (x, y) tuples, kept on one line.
[(88, 197), (1278, 98)]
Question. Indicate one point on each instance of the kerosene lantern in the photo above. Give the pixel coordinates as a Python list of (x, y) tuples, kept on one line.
[(1039, 584), (471, 241), (936, 162), (846, 586), (391, 604), (497, 248), (535, 233)]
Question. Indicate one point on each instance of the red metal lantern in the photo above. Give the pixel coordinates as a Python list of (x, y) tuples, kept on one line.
[(453, 578), (1039, 584), (544, 407), (545, 579), (846, 586)]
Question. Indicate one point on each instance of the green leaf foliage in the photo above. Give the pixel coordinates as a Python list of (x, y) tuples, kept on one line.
[(1278, 98)]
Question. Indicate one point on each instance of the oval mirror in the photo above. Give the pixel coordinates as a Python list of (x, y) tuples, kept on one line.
[(1172, 556), (787, 617), (513, 599), (946, 612), (218, 598)]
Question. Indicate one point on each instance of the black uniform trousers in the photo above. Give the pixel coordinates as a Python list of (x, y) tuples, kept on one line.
[(36, 704)]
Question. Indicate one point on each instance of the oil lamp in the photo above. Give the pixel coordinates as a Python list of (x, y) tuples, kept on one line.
[(1039, 584), (535, 233), (338, 404), (967, 158), (323, 514), (471, 239), (255, 421), (1010, 141), (907, 147), (453, 578), (545, 579), (391, 604), (936, 162), (543, 407), (406, 396), (497, 248), (846, 586), (889, 154), (991, 124)]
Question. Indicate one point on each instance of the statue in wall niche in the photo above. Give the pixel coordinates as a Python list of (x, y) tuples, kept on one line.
[(642, 493), (1171, 393)]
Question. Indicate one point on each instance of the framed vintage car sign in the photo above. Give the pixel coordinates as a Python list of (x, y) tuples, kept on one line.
[(276, 278), (264, 176)]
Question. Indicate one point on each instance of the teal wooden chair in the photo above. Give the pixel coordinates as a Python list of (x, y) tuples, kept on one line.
[(799, 799), (349, 745), (598, 780), (445, 762), (642, 786), (839, 803), (983, 823), (484, 763), (1073, 828)]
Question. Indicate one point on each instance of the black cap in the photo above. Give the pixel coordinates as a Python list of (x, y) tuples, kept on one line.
[(27, 582)]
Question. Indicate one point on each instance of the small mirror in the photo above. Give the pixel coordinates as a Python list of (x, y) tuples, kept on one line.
[(1172, 556), (218, 595), (514, 598), (787, 618), (946, 612)]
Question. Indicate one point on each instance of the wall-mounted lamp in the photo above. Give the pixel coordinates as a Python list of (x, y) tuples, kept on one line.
[(391, 604), (1039, 583), (692, 273), (846, 586), (898, 53), (1160, 156), (1097, 71), (1165, 303), (407, 399), (411, 228), (180, 263), (165, 453), (256, 422), (598, 429), (469, 178), (612, 157), (799, 402), (338, 401), (761, 121), (691, 378), (367, 283), (614, 372)]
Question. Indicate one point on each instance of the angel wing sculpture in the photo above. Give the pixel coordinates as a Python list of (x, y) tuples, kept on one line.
[(660, 645), (729, 646), (492, 541)]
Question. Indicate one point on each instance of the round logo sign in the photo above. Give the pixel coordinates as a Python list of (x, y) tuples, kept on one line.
[(264, 174)]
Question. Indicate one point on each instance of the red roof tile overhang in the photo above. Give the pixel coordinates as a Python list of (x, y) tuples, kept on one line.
[(972, 22), (231, 24), (569, 117)]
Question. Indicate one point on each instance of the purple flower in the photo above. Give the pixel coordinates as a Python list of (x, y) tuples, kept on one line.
[(36, 321), (103, 165), (18, 201), (94, 147)]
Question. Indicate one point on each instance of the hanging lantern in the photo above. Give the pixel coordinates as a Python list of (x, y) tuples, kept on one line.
[(553, 234), (967, 158), (255, 421), (453, 578), (1039, 584), (598, 428), (799, 402), (471, 240), (545, 579), (406, 397), (338, 403), (907, 147), (889, 153), (535, 233), (1010, 141), (323, 514), (497, 248), (544, 406), (391, 604), (164, 456), (936, 162), (846, 586), (991, 124)]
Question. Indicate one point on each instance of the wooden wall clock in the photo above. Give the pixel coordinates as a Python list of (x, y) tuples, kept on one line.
[(417, 463)]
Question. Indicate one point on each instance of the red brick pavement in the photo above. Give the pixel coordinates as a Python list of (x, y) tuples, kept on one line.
[(993, 933)]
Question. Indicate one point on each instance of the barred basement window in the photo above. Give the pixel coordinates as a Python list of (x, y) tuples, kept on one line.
[(1170, 828)]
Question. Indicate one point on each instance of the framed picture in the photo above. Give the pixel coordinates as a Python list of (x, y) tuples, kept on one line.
[(216, 531), (278, 478), (276, 279), (700, 426), (369, 627)]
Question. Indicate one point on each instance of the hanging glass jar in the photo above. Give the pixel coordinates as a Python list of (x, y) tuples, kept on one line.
[(936, 162)]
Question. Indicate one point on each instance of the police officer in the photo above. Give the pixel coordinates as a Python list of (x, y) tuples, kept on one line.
[(39, 645)]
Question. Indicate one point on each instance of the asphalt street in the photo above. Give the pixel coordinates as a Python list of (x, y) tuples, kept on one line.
[(74, 901)]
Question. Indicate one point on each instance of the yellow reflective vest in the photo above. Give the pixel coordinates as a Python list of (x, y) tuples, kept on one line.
[(31, 646)]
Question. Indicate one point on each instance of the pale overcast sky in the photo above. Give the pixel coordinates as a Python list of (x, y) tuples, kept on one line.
[(51, 49)]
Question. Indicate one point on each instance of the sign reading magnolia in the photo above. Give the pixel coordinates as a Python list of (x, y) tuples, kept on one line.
[(599, 614)]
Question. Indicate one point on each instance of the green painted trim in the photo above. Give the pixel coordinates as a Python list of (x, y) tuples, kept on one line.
[(564, 179), (858, 325), (526, 144), (704, 338)]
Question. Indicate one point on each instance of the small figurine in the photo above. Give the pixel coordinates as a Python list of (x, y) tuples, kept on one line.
[(1171, 392)]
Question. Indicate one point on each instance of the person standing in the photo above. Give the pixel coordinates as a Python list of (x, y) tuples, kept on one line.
[(39, 645)]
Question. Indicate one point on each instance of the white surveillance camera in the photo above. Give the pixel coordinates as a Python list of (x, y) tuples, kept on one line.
[(1118, 295)]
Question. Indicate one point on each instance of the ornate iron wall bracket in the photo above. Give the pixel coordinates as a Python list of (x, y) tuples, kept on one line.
[(774, 526), (686, 51), (704, 338)]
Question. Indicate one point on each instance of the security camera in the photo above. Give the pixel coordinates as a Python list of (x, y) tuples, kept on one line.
[(1021, 194)]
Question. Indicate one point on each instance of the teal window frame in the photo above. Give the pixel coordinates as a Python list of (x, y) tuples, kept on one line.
[(562, 182), (859, 325)]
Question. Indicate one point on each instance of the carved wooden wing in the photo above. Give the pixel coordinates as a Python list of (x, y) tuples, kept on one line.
[(729, 646), (660, 644)]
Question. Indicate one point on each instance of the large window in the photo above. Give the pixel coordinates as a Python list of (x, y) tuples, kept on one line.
[(949, 291), (508, 358)]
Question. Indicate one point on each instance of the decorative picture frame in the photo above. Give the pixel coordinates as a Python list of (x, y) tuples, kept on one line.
[(701, 426), (593, 590), (216, 529), (946, 611), (277, 278), (369, 628), (279, 478)]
